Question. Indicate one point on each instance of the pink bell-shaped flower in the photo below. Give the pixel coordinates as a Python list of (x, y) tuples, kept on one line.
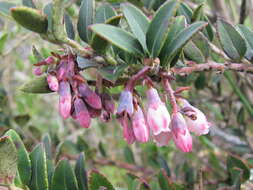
[(52, 83), (37, 71), (141, 130), (125, 103), (180, 133), (162, 139), (82, 115), (158, 117), (65, 99), (128, 132)]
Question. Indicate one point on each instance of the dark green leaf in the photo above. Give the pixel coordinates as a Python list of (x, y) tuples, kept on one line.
[(47, 145), (231, 41), (64, 177), (39, 179), (8, 159), (28, 3), (193, 53), (119, 38), (129, 156), (137, 21), (170, 50), (157, 31), (103, 13), (112, 73), (85, 19), (22, 120), (30, 18), (81, 173), (241, 116), (24, 162), (164, 181), (198, 13), (3, 40), (186, 11), (200, 82), (5, 7), (102, 149), (69, 26), (98, 181), (37, 85)]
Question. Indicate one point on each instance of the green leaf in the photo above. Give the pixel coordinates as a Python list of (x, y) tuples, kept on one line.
[(98, 181), (69, 26), (37, 54), (101, 149), (48, 11), (3, 40), (129, 155), (193, 53), (163, 181), (64, 177), (24, 162), (22, 120), (137, 21), (5, 7), (30, 18), (99, 44), (103, 13), (8, 159), (47, 145), (163, 164), (158, 27), (170, 50), (28, 3), (118, 37), (84, 63), (200, 82), (85, 19), (235, 163), (186, 11), (81, 173), (36, 86), (198, 13), (112, 73), (231, 41), (39, 179), (66, 147)]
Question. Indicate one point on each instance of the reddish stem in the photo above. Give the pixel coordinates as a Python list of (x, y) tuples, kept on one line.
[(170, 92)]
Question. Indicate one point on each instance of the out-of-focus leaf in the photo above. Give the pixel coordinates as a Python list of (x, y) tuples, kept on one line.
[(39, 179), (69, 26), (102, 149), (3, 40), (119, 38), (185, 10), (66, 147), (157, 30), (48, 11), (8, 159), (22, 120), (36, 86), (98, 181), (85, 19), (137, 21), (143, 186), (81, 173), (112, 73), (103, 13), (198, 13), (231, 41), (84, 63), (64, 177), (200, 82), (241, 116), (129, 155), (31, 19), (24, 162), (28, 3), (37, 54), (163, 164), (5, 7), (164, 181)]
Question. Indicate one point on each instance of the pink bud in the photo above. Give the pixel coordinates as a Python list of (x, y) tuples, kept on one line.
[(163, 138), (108, 103), (37, 71), (141, 130), (52, 83), (128, 132), (62, 70), (81, 113), (90, 97), (126, 103), (49, 60), (158, 117), (180, 133), (65, 99)]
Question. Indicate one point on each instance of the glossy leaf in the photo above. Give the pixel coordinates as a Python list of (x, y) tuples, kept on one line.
[(85, 19), (64, 177), (31, 19), (157, 31), (170, 50), (103, 13), (118, 37), (69, 26), (98, 181), (23, 162), (81, 173), (37, 85), (28, 3), (231, 41), (137, 21), (39, 179)]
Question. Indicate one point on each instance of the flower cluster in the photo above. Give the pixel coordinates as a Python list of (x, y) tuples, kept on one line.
[(76, 98)]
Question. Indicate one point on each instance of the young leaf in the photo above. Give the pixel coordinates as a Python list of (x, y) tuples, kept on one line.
[(69, 26), (81, 173), (171, 49), (137, 21), (98, 181), (39, 179), (118, 37), (64, 177), (37, 85), (30, 18), (85, 19), (28, 3), (24, 162), (103, 13), (158, 27), (231, 41)]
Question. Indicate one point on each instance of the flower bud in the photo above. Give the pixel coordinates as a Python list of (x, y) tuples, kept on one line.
[(52, 83), (141, 130), (128, 132), (180, 133), (125, 103), (49, 60), (37, 71), (108, 103), (82, 115), (90, 97), (65, 99), (162, 139), (158, 117), (62, 70)]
